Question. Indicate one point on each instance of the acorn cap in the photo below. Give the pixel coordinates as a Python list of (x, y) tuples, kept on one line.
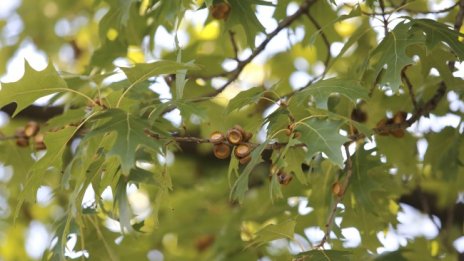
[(248, 135), (242, 150), (216, 137), (221, 151), (245, 160), (234, 136), (31, 129)]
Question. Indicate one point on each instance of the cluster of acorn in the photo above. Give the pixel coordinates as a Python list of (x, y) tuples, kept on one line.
[(398, 118), (236, 137), (29, 132)]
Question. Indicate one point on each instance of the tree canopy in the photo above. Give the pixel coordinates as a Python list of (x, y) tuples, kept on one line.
[(231, 129)]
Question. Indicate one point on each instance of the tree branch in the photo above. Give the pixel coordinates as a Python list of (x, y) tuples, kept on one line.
[(385, 21), (304, 7), (410, 88), (326, 42)]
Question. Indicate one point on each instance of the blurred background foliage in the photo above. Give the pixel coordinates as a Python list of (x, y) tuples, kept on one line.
[(176, 204)]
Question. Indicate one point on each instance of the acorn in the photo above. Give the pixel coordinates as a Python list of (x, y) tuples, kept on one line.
[(337, 189), (247, 137), (22, 142), (234, 136), (242, 150), (381, 127), (220, 11), (216, 137), (204, 242), (39, 142), (31, 129), (221, 151), (398, 133), (358, 115), (284, 178), (400, 117), (245, 160)]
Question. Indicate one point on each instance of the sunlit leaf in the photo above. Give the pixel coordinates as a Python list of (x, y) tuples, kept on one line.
[(130, 136), (33, 85), (323, 136)]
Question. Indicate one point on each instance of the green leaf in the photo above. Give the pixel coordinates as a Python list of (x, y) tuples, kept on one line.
[(33, 85), (322, 89), (271, 232), (392, 53), (181, 81), (243, 13), (293, 158), (125, 211), (359, 126), (323, 136), (240, 186), (56, 143), (250, 96), (142, 71), (130, 136), (325, 255), (439, 32), (274, 188)]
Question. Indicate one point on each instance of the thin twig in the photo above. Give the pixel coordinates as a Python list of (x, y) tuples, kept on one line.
[(410, 88), (234, 44), (324, 38), (338, 198), (385, 21), (304, 7)]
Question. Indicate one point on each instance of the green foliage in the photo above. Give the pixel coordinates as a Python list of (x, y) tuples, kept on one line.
[(33, 85), (134, 89)]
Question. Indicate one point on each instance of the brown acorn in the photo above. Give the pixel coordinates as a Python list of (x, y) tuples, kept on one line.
[(247, 137), (398, 133), (381, 127), (242, 150), (31, 129), (245, 160), (337, 189), (400, 117), (204, 242), (216, 137), (22, 142), (220, 11), (234, 136), (39, 142), (221, 151), (284, 178), (358, 115)]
